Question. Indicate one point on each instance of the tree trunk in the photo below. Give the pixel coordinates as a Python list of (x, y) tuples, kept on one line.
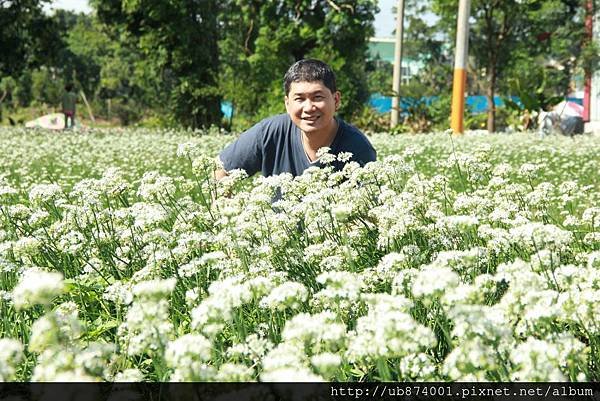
[(491, 112)]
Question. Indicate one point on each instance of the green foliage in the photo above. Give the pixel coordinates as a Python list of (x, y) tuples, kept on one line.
[(507, 117), (534, 94), (369, 120), (424, 116), (260, 40), (7, 87), (27, 37), (379, 77), (505, 36), (46, 87), (178, 42)]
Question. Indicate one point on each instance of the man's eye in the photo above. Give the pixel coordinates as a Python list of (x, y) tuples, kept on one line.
[(318, 97)]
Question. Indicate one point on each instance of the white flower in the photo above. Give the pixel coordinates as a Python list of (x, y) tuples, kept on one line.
[(471, 360), (234, 372), (147, 327), (154, 289), (544, 360), (326, 363), (432, 281), (289, 375), (591, 216), (187, 350), (344, 156), (37, 287), (11, 354), (254, 347), (387, 331), (288, 295), (322, 151), (119, 293), (41, 193), (153, 186), (321, 330), (129, 376)]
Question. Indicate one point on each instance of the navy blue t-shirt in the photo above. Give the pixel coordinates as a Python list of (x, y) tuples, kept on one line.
[(274, 146)]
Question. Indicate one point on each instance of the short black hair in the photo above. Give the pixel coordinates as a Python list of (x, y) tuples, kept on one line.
[(309, 70), (69, 87)]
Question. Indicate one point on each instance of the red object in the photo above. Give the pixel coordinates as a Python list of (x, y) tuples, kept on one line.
[(565, 109), (543, 36), (587, 89)]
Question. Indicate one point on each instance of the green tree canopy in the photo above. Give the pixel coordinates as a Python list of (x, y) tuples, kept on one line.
[(507, 37), (28, 37), (178, 40), (260, 40)]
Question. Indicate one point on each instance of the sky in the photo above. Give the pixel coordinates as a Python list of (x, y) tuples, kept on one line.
[(72, 5), (384, 21)]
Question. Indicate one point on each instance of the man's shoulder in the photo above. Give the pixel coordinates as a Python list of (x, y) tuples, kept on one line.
[(279, 121), (356, 142), (273, 129), (353, 134)]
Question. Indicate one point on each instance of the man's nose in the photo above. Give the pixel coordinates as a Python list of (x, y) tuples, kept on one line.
[(308, 105)]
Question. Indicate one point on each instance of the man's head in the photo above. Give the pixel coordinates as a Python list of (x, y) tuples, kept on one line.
[(311, 97), (309, 70), (69, 87)]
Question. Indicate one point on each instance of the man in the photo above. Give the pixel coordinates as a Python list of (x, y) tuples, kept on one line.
[(288, 143), (69, 99)]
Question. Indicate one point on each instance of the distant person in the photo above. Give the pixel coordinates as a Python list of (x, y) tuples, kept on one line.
[(288, 143), (69, 101)]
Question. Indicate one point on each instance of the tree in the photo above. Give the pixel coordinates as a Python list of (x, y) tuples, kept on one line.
[(425, 43), (507, 37), (260, 40), (28, 38), (83, 44), (178, 40), (557, 48), (494, 33)]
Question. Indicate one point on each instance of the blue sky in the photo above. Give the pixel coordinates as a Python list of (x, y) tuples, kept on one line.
[(384, 21)]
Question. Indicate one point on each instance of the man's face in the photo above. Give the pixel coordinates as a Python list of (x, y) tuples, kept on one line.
[(311, 105)]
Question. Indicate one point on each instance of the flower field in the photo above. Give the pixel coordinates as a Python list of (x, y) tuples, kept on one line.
[(470, 258)]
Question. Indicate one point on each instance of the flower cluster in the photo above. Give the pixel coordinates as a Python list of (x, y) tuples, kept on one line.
[(472, 260)]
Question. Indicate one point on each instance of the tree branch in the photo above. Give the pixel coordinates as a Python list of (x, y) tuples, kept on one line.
[(339, 8)]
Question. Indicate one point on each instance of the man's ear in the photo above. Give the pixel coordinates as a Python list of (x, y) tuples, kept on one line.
[(337, 97), (286, 101)]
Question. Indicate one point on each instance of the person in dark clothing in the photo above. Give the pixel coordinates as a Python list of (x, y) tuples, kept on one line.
[(69, 101), (288, 143)]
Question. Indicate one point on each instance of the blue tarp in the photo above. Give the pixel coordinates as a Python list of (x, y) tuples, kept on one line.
[(383, 104), (476, 104), (227, 109)]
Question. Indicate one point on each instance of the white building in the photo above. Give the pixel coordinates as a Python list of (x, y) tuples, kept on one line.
[(383, 49)]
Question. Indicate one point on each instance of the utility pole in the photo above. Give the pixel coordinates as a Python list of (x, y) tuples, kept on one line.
[(397, 64), (460, 67)]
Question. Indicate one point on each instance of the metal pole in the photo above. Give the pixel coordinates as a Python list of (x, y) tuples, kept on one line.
[(460, 66), (397, 64)]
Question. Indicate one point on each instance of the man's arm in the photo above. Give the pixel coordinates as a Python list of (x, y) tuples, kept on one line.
[(244, 153), (220, 173)]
